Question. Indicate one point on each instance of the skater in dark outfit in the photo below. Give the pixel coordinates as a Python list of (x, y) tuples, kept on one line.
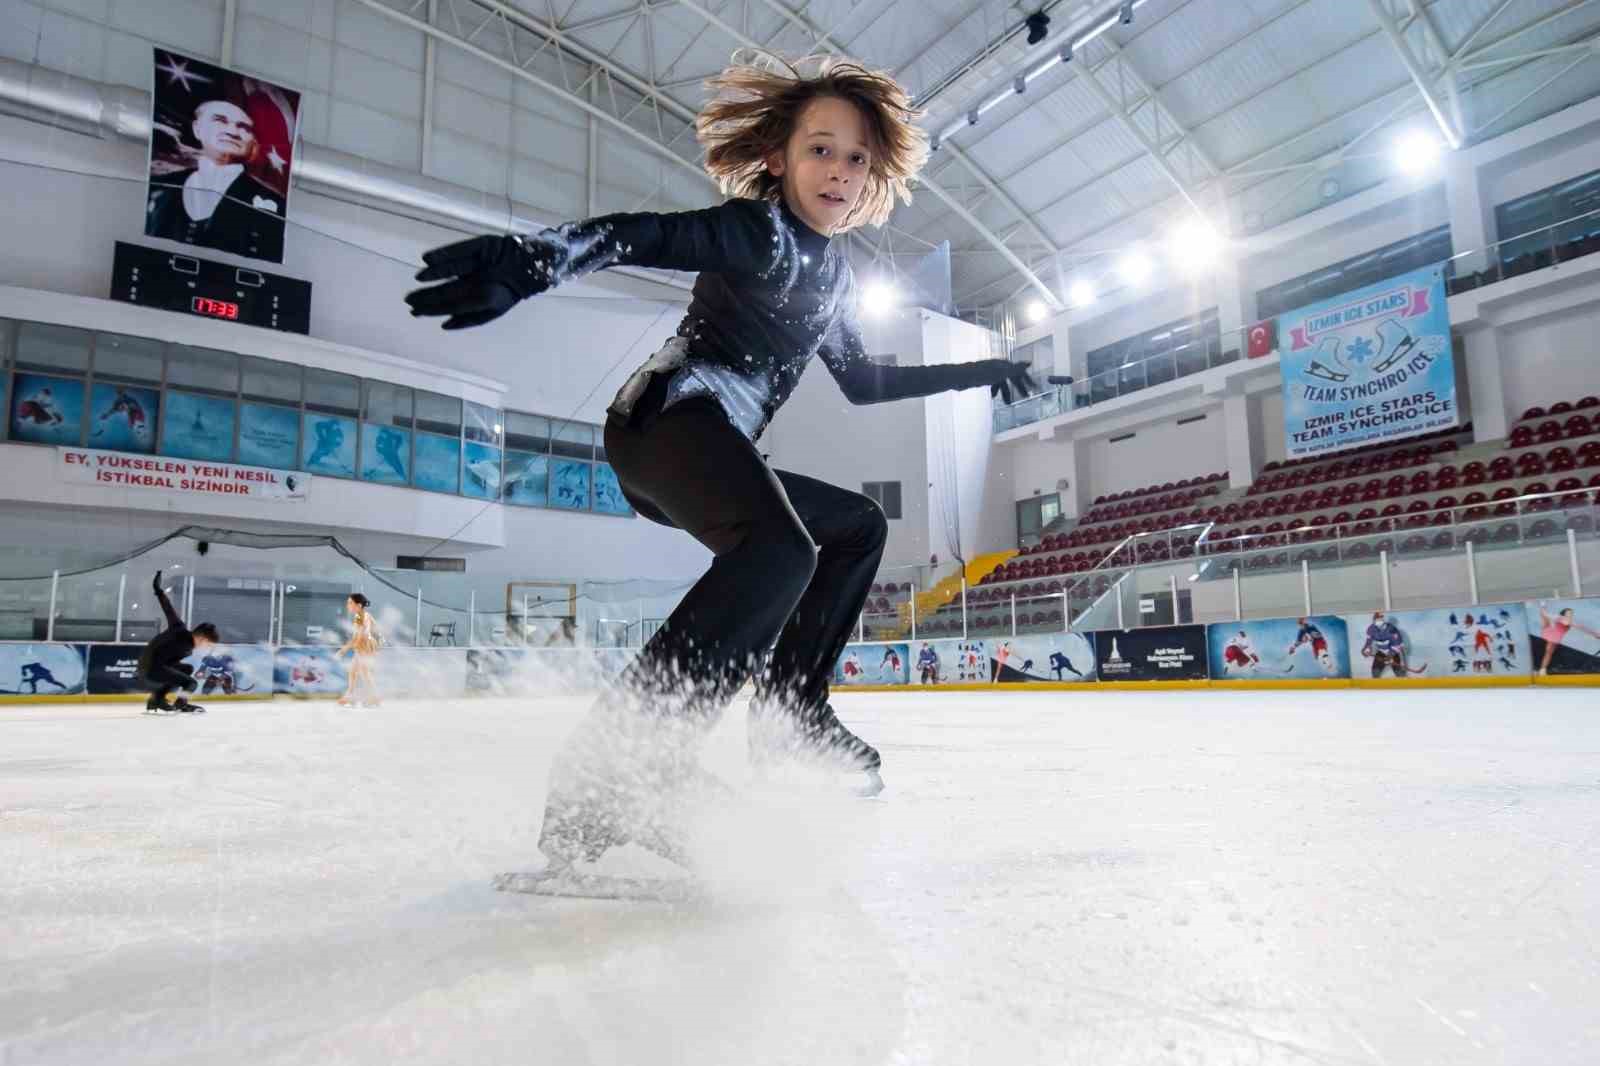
[(806, 158), (161, 665)]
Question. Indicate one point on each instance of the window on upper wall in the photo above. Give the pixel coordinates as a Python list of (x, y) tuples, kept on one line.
[(1549, 221), (269, 414), (1358, 271), (886, 494), (525, 480), (329, 429), (125, 399), (1176, 349), (386, 422), (1034, 515), (437, 465), (1041, 354)]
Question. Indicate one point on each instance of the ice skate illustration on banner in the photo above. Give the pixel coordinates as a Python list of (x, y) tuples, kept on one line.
[(1329, 350), (1397, 344)]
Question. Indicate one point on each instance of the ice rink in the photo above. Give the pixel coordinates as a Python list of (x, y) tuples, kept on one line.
[(1400, 878)]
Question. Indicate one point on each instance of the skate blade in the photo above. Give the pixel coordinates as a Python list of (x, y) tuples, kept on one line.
[(572, 885)]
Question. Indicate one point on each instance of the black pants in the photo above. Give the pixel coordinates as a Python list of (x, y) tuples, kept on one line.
[(163, 678), (795, 559)]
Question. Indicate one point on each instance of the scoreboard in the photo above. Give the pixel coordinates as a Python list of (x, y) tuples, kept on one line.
[(177, 281)]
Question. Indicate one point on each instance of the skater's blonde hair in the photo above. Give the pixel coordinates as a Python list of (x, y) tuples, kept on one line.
[(756, 105)]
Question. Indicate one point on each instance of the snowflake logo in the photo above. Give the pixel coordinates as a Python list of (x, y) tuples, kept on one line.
[(1360, 350)]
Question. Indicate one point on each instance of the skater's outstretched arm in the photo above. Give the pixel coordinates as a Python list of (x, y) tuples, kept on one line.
[(862, 381), (484, 277), (166, 604)]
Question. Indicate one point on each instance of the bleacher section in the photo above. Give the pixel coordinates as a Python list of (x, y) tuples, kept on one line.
[(1401, 495)]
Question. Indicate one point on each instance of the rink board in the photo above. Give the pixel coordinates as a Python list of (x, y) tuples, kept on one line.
[(1516, 637)]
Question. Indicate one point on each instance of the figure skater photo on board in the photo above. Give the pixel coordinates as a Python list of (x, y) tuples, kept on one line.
[(161, 665), (807, 152), (362, 683), (1554, 630)]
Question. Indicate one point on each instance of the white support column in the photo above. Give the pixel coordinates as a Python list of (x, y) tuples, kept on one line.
[(272, 611), (472, 618), (418, 640), (963, 604), (913, 614), (1238, 596), (1066, 609), (1472, 573), (1305, 584), (1472, 224), (1013, 614), (1383, 576), (122, 592), (1486, 385), (1177, 615), (1238, 425), (50, 621), (1572, 562), (1236, 300)]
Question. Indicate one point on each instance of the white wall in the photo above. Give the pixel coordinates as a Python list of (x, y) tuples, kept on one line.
[(962, 457), (1551, 358), (1163, 451), (822, 435)]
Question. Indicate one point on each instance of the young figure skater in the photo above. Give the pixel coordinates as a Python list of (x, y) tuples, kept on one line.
[(161, 664), (806, 157), (363, 649)]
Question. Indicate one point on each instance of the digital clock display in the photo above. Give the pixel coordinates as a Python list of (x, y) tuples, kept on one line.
[(204, 305)]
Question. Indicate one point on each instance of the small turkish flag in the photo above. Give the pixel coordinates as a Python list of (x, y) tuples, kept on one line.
[(1263, 339)]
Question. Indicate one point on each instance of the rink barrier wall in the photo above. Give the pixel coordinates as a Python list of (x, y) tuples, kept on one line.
[(1482, 646)]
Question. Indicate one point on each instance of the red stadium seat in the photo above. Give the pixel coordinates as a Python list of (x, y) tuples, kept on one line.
[(1588, 402), (1560, 407)]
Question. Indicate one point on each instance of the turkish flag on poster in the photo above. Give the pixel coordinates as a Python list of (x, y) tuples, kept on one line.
[(1263, 339)]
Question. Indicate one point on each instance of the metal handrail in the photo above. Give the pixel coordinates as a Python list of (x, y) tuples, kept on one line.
[(1398, 522)]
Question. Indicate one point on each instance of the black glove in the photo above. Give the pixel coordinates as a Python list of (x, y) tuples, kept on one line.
[(484, 277), (156, 584), (1002, 375)]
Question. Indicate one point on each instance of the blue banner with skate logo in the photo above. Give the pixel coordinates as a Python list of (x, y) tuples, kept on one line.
[(1371, 365)]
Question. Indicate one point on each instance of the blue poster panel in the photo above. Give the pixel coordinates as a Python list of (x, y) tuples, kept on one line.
[(233, 670), (385, 454), (197, 427), (1006, 660), (437, 466), (1370, 365), (480, 471), (42, 669), (1448, 642), (569, 484), (328, 445), (122, 418), (1279, 649), (308, 672), (526, 479), (1564, 636), (873, 664), (268, 436), (46, 410), (608, 498)]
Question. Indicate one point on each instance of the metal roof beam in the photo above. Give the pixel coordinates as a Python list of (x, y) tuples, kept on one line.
[(1425, 81)]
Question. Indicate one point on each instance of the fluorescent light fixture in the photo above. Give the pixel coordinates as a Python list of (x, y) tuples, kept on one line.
[(1134, 268), (1036, 310), (1081, 293), (1416, 153), (879, 297)]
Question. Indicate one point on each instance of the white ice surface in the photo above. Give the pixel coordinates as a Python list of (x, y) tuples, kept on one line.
[(1402, 878)]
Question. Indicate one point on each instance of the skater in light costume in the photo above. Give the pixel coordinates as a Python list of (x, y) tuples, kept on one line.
[(1311, 636), (1554, 631), (807, 156), (363, 649)]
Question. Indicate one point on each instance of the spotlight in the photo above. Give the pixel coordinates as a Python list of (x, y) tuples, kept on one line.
[(1065, 54), (1134, 267), (1416, 153), (879, 297), (1195, 246), (1081, 294), (1036, 310), (1038, 25), (1125, 14)]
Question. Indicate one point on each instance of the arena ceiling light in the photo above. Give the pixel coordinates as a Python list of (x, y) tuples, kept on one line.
[(1416, 153), (879, 298), (1036, 310), (1135, 268), (1195, 246), (1081, 293)]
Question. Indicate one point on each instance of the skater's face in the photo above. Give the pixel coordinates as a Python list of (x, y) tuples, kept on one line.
[(225, 132), (203, 643), (825, 164)]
